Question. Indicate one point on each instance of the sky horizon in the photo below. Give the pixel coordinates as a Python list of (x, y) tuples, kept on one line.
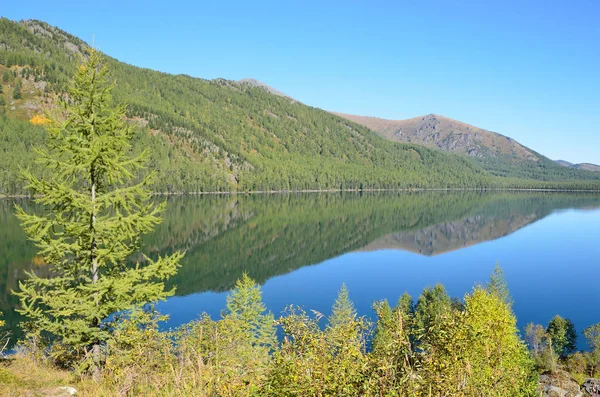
[(527, 70)]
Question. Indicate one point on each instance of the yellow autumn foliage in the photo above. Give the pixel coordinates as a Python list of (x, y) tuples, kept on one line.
[(39, 120), (38, 261)]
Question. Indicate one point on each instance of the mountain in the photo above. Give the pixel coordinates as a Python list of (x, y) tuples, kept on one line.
[(564, 163), (580, 166), (450, 236), (446, 134), (210, 135), (498, 154), (588, 167), (223, 135), (271, 90)]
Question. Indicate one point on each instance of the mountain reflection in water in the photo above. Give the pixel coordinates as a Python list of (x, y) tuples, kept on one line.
[(270, 235)]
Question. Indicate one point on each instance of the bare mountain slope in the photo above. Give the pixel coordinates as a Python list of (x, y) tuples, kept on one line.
[(564, 163), (580, 166), (454, 235), (588, 167), (447, 134)]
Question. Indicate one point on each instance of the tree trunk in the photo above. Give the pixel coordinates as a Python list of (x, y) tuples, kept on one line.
[(96, 347)]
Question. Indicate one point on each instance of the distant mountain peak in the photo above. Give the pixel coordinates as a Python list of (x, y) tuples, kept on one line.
[(436, 131), (581, 166), (564, 163), (257, 83)]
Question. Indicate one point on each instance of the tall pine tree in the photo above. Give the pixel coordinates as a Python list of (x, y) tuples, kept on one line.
[(563, 335), (96, 205), (498, 286)]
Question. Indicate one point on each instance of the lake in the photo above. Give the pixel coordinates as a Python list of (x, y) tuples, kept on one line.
[(303, 247)]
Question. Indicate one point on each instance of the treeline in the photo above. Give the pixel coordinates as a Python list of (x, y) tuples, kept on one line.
[(221, 135), (175, 171), (542, 170), (434, 346), (555, 346)]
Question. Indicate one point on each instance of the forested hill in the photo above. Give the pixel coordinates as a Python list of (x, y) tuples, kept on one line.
[(222, 135)]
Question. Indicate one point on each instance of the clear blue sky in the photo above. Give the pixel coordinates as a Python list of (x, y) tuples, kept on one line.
[(526, 69)]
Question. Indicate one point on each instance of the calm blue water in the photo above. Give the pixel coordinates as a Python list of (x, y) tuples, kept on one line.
[(551, 266), (302, 248)]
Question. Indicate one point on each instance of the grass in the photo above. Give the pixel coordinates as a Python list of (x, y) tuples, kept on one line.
[(23, 376)]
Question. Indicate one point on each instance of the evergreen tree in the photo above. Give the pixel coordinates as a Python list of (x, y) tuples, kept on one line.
[(245, 304), (316, 362), (393, 355), (384, 333), (562, 333), (431, 305), (17, 92), (97, 206), (498, 286), (235, 350), (345, 338), (343, 311)]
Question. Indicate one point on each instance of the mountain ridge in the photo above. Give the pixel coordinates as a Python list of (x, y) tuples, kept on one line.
[(210, 135), (498, 154), (224, 135), (257, 83), (580, 166), (445, 133)]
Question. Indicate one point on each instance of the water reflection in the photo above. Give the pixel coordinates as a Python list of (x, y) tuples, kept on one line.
[(270, 235)]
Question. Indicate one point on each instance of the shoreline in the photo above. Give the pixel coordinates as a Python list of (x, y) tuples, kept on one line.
[(411, 190)]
